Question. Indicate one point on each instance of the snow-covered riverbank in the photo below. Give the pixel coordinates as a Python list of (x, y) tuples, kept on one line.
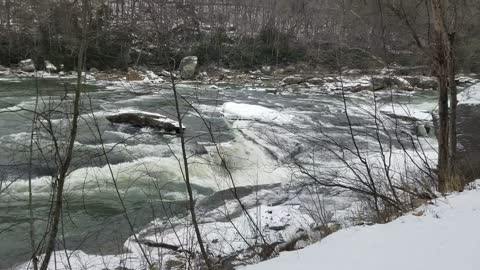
[(441, 235)]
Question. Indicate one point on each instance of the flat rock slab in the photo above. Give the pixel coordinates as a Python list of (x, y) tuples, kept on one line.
[(145, 119)]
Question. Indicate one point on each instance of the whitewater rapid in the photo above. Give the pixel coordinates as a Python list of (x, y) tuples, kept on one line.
[(251, 130)]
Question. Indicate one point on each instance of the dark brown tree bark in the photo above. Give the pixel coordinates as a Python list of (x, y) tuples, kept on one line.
[(445, 72), (451, 31)]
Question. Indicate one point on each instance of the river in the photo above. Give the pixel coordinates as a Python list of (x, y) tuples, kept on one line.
[(144, 161)]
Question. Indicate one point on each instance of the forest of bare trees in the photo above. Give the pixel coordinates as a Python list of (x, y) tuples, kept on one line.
[(230, 33)]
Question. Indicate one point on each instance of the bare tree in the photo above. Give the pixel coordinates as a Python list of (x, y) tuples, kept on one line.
[(64, 168), (186, 175)]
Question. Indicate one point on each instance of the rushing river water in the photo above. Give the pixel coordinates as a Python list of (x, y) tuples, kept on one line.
[(143, 161)]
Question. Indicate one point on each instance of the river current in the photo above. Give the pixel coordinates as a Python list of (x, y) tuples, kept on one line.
[(144, 161)]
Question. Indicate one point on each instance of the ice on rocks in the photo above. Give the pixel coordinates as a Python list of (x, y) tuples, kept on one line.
[(470, 95), (242, 111)]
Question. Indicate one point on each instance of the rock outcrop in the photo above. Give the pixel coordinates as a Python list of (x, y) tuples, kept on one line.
[(422, 82), (267, 70), (4, 70), (27, 65), (49, 67), (188, 67), (133, 75), (422, 130), (385, 82), (293, 80), (144, 119), (316, 81)]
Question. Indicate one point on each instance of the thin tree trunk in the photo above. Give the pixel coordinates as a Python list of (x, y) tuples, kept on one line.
[(64, 167), (30, 194), (451, 6), (191, 201), (9, 30)]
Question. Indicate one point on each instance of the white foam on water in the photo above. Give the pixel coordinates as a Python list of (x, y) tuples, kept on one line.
[(242, 111), (24, 105), (205, 171)]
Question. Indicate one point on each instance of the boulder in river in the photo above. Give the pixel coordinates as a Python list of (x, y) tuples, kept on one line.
[(422, 130), (27, 65), (465, 80), (271, 91), (49, 67), (352, 72), (4, 70), (153, 76), (165, 73), (133, 75), (293, 80), (267, 70), (316, 81), (188, 67), (383, 82), (422, 82), (145, 119)]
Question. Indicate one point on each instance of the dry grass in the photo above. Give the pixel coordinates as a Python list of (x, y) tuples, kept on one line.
[(466, 171)]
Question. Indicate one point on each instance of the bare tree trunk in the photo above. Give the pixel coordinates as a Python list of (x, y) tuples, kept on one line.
[(453, 107), (65, 165), (30, 194), (442, 70), (382, 30), (451, 6), (9, 29)]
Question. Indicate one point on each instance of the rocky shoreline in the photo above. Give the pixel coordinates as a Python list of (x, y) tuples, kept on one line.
[(274, 80)]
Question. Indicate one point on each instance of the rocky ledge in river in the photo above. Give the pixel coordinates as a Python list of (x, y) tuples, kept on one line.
[(145, 119)]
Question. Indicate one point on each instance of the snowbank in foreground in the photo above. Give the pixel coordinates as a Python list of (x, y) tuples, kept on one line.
[(470, 95), (439, 236)]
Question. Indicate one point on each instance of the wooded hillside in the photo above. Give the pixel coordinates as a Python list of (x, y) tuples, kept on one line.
[(230, 33)]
